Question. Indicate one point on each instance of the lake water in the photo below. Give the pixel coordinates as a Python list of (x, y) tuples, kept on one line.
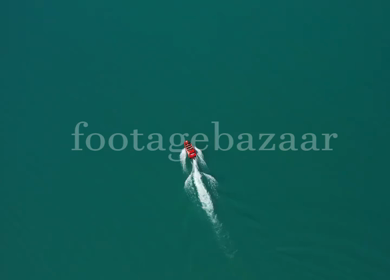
[(174, 67)]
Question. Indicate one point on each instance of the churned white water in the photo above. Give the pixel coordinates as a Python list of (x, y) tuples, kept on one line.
[(195, 186)]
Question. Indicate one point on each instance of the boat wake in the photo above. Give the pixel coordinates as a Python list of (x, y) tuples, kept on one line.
[(196, 188)]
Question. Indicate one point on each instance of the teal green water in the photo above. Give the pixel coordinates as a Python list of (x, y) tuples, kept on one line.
[(167, 67)]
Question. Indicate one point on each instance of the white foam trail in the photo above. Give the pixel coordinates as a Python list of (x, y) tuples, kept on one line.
[(183, 158), (200, 158), (188, 186), (200, 191), (204, 197), (212, 182)]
